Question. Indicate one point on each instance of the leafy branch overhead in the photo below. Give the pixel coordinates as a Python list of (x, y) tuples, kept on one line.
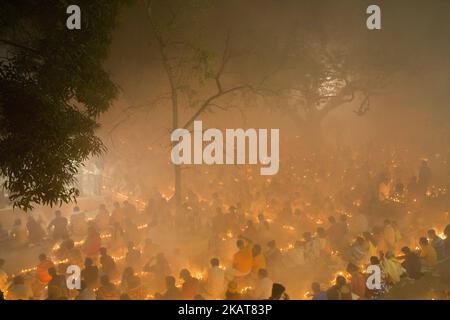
[(53, 88)]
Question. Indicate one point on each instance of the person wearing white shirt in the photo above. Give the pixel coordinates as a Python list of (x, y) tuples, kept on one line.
[(215, 286), (263, 288), (297, 255)]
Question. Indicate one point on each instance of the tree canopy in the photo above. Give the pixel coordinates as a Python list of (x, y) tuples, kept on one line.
[(52, 89)]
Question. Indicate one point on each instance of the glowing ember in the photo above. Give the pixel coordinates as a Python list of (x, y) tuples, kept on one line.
[(142, 226)]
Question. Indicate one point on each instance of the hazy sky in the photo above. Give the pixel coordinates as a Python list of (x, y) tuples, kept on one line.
[(416, 33)]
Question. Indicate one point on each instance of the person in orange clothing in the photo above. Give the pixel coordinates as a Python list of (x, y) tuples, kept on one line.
[(243, 259), (42, 269), (259, 261)]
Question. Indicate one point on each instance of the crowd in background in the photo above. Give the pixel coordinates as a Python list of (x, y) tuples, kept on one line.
[(310, 232)]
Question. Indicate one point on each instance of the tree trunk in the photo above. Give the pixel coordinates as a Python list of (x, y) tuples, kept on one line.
[(177, 171)]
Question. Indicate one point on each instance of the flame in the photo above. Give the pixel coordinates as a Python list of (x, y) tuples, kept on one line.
[(79, 243), (199, 275), (118, 258), (246, 289), (290, 246), (105, 235)]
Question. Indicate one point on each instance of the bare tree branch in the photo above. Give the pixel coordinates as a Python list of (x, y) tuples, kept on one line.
[(17, 45)]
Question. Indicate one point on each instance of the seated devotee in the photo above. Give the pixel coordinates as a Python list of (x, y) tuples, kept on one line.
[(296, 256), (72, 253), (358, 281), (133, 257), (90, 273), (158, 265), (190, 287), (259, 261), (332, 293), (35, 231), (273, 258), (18, 234), (428, 255), (42, 269), (107, 290), (93, 242), (309, 247), (379, 239), (127, 273), (59, 226), (232, 292), (242, 259), (411, 263), (278, 292), (343, 288), (215, 282), (57, 287), (3, 277), (317, 292), (172, 292), (19, 290), (372, 243), (321, 246), (392, 268), (135, 289), (263, 286), (108, 266), (61, 248), (437, 243), (446, 241), (86, 293), (359, 250)]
